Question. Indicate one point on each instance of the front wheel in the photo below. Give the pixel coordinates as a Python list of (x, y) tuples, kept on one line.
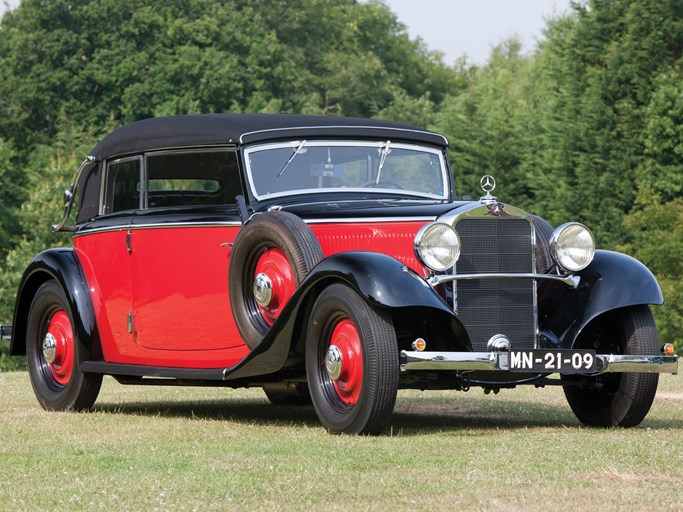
[(54, 355), (616, 399), (352, 362)]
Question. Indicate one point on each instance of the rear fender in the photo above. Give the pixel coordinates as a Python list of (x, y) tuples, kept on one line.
[(63, 266), (382, 281)]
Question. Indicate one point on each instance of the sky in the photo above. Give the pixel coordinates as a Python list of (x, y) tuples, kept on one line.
[(466, 27), (473, 27)]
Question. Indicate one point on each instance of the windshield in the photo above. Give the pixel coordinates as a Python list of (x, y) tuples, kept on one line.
[(310, 167)]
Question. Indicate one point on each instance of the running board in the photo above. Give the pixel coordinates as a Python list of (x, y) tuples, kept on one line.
[(163, 372)]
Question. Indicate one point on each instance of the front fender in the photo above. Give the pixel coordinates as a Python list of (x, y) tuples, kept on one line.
[(382, 280), (612, 281), (63, 266)]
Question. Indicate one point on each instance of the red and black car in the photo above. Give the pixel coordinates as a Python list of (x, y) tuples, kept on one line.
[(328, 261)]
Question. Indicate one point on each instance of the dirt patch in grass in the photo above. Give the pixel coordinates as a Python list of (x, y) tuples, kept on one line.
[(670, 395), (616, 475)]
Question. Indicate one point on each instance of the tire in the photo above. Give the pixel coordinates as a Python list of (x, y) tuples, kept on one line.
[(617, 399), (357, 395), (57, 381), (280, 396), (279, 246)]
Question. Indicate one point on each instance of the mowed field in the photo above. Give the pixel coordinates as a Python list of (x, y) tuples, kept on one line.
[(152, 448)]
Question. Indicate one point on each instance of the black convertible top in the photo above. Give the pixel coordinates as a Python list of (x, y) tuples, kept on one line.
[(218, 129)]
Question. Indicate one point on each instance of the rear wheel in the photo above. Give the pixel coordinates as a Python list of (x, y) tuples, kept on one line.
[(54, 355), (616, 399), (352, 362)]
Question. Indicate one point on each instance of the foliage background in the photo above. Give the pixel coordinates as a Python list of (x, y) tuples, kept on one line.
[(587, 127)]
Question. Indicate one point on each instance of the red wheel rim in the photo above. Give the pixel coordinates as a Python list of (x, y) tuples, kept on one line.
[(63, 362), (274, 264), (350, 381)]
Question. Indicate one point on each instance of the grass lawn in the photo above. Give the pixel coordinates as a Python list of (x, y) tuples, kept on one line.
[(153, 448)]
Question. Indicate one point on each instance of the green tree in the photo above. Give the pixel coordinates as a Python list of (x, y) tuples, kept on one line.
[(491, 124), (599, 65)]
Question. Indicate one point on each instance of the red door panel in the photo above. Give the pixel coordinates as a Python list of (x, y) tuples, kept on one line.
[(107, 267), (180, 288)]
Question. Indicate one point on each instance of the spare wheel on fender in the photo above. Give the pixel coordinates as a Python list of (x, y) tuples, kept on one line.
[(271, 255)]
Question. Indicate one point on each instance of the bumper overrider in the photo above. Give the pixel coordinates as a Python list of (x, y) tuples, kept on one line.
[(500, 361)]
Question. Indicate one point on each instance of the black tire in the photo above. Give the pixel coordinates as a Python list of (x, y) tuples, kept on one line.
[(351, 403), (270, 231), (617, 399), (280, 396), (59, 384)]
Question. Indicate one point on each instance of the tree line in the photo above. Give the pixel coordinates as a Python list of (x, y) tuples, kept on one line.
[(588, 126)]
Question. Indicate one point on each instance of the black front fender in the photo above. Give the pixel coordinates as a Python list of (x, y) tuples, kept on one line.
[(612, 281), (382, 280), (63, 266)]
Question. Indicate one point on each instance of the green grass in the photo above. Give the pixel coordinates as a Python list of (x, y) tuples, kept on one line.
[(151, 448)]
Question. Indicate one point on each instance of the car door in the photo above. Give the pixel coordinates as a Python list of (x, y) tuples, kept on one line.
[(181, 245), (103, 249)]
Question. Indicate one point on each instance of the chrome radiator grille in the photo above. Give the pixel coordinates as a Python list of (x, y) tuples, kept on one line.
[(496, 306)]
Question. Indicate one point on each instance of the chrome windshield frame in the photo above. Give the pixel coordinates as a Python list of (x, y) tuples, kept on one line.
[(294, 144)]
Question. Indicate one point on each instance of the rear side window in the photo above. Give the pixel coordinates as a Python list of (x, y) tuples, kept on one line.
[(207, 177), (123, 185)]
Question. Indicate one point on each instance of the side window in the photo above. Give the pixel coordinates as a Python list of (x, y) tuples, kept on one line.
[(123, 185), (206, 177)]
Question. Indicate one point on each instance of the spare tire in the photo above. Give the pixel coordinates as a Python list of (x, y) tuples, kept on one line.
[(271, 255)]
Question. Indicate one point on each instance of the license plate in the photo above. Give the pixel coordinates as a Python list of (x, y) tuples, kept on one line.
[(552, 361)]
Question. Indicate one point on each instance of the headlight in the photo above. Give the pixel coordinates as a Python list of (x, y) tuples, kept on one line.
[(572, 246), (437, 246)]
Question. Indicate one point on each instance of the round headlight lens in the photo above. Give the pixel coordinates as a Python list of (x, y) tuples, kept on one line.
[(437, 246), (572, 246)]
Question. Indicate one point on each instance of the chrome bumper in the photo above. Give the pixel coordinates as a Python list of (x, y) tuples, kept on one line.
[(5, 332), (498, 361)]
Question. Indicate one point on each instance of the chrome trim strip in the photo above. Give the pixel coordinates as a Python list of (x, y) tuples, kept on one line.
[(434, 280), (369, 219), (238, 223), (492, 361), (476, 210), (133, 227)]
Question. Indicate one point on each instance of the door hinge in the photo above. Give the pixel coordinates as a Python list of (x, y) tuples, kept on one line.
[(128, 246), (132, 327)]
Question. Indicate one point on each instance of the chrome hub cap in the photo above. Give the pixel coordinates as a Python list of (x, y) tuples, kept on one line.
[(334, 362), (49, 348), (263, 290)]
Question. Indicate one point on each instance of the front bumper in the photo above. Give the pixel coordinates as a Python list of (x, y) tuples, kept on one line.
[(5, 332), (498, 361)]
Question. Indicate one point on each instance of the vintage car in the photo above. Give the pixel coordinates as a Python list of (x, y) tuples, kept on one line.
[(328, 261)]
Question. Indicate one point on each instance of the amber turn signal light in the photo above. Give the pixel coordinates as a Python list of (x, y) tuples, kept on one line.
[(419, 344), (668, 349)]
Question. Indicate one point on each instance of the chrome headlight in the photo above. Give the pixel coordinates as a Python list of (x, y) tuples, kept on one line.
[(572, 246), (437, 246)]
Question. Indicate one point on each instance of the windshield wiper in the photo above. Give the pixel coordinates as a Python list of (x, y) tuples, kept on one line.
[(296, 152), (382, 157)]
